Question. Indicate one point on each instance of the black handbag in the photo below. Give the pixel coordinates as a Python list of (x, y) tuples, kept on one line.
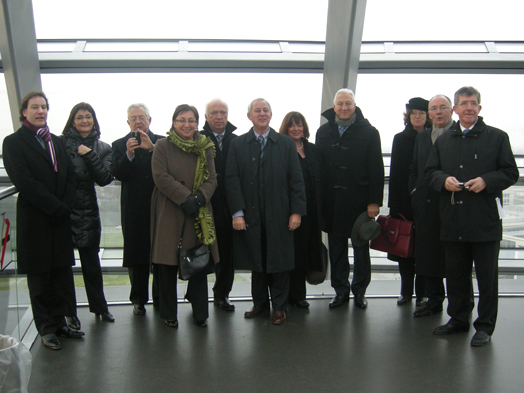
[(195, 262), (314, 277)]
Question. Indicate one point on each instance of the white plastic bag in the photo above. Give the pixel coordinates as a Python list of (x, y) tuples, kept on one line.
[(15, 366)]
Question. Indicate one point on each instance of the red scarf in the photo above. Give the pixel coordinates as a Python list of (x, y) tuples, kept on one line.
[(48, 141)]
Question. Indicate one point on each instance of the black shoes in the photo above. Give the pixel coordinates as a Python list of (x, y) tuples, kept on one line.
[(427, 310), (299, 303), (50, 341), (139, 309), (403, 300), (201, 323), (421, 301), (108, 317), (361, 301), (73, 323), (450, 328), (171, 324), (224, 303), (67, 332), (338, 301), (480, 339)]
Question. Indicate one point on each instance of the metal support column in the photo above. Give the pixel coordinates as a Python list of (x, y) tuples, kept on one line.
[(19, 52), (345, 23)]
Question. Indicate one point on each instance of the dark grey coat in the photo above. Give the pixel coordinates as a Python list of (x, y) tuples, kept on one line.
[(484, 152), (284, 195), (43, 233), (429, 249), (93, 167), (135, 199), (353, 172)]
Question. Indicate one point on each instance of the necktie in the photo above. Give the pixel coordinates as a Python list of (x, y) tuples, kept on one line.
[(262, 141), (49, 147), (341, 130), (465, 132), (219, 139)]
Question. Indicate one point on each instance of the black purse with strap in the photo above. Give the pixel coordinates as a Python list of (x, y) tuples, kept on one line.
[(195, 262)]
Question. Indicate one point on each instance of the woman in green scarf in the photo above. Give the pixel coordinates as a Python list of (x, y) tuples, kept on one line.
[(185, 180)]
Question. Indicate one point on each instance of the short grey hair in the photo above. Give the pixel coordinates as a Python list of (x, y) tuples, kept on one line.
[(344, 90), (467, 91), (138, 106), (443, 96), (255, 100), (218, 100)]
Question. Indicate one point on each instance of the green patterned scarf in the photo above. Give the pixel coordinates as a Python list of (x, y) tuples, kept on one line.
[(204, 227)]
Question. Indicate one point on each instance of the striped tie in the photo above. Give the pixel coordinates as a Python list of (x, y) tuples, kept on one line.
[(219, 139), (262, 141), (49, 147)]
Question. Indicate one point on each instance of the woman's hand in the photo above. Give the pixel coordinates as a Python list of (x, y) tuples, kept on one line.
[(83, 150)]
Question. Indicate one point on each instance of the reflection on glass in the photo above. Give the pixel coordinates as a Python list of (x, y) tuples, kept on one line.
[(131, 47), (234, 47)]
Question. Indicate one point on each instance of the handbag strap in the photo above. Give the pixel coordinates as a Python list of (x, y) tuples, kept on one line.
[(182, 233)]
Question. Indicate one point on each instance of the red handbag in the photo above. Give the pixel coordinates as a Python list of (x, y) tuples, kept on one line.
[(397, 237)]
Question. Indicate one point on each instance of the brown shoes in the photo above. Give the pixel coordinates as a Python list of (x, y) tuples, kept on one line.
[(254, 311), (279, 317)]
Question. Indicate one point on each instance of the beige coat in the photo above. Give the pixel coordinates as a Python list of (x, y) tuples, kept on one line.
[(174, 175)]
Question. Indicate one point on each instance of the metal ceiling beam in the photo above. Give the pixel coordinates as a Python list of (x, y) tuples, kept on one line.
[(20, 61)]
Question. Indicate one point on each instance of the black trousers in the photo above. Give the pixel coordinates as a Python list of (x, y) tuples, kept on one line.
[(264, 285), (297, 285), (49, 296), (225, 270), (338, 255), (93, 281), (139, 278), (196, 294), (406, 268), (434, 290), (459, 264)]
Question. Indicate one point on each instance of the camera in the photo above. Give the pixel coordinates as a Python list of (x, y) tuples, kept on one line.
[(461, 185), (136, 134)]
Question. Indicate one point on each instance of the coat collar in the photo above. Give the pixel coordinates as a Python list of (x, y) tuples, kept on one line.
[(230, 128), (272, 135), (475, 131), (29, 137), (330, 115)]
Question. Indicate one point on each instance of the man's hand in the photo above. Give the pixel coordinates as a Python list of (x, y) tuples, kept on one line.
[(294, 221), (476, 185), (373, 210), (239, 224), (146, 142), (451, 184), (131, 145)]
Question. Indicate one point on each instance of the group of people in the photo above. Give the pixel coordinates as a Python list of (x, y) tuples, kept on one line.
[(259, 201), (448, 177)]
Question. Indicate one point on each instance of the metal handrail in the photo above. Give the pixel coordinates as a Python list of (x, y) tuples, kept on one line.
[(8, 192)]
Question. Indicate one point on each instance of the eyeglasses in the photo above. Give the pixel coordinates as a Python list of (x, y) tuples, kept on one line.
[(464, 104), (182, 122), (87, 117), (214, 113), (440, 108), (418, 114), (134, 119)]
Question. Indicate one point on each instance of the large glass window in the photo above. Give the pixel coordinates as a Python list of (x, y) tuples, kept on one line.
[(6, 126)]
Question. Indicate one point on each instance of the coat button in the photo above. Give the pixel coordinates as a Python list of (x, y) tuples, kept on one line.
[(460, 237), (72, 155), (461, 166), (428, 201), (251, 183), (253, 207), (253, 159)]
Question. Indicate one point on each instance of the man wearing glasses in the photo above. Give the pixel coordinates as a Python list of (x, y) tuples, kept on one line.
[(220, 131), (429, 250), (132, 166), (470, 166)]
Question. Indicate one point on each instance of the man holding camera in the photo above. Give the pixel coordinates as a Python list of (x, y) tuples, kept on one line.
[(470, 166), (132, 166)]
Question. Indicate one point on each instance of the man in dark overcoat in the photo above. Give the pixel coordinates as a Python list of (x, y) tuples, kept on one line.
[(353, 183), (132, 166), (220, 131), (39, 167), (470, 166), (429, 249), (266, 195)]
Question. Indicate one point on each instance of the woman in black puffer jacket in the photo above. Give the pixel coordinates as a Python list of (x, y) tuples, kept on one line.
[(92, 161)]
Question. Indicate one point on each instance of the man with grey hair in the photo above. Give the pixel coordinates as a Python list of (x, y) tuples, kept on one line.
[(220, 131), (132, 166), (470, 166), (353, 185), (266, 194), (429, 250)]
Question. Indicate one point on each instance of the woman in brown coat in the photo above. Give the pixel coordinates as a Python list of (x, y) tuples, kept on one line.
[(178, 202)]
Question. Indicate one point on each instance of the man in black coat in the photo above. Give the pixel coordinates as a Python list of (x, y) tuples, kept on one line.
[(470, 166), (266, 194), (429, 249), (220, 131), (132, 166), (39, 167), (353, 184)]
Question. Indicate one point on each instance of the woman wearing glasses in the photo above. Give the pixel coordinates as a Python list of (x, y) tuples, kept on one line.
[(185, 180), (92, 161), (416, 120)]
